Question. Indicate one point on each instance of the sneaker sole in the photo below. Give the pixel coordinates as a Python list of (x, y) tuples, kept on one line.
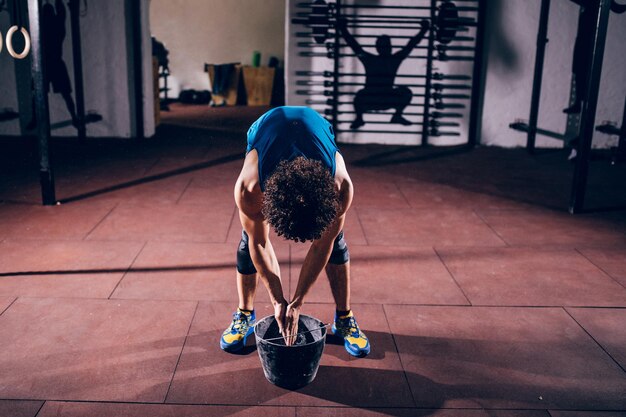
[(235, 347), (346, 345)]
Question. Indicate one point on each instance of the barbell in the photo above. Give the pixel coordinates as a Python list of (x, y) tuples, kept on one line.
[(445, 26)]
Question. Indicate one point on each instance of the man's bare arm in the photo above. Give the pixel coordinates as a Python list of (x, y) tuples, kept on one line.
[(415, 40), (342, 26), (261, 250)]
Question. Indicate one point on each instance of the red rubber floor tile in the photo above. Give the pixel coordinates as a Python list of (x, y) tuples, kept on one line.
[(426, 228), (5, 302), (68, 409), (386, 274), (543, 227), (142, 191), (63, 268), (610, 260), (187, 271), (223, 174), (100, 350), (531, 277), (509, 358), (428, 195), (13, 408), (207, 375), (67, 221), (218, 195), (412, 412), (378, 194), (607, 327), (166, 222)]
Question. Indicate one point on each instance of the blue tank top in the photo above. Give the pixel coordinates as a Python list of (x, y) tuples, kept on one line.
[(285, 133)]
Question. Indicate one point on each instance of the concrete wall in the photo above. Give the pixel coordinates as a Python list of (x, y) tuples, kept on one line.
[(511, 41), (105, 74), (216, 31)]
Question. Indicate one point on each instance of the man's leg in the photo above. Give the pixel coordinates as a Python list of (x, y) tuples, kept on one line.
[(69, 103), (235, 336), (402, 96), (246, 288), (359, 109), (339, 279), (345, 325)]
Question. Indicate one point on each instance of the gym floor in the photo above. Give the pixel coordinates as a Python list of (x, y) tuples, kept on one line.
[(481, 296)]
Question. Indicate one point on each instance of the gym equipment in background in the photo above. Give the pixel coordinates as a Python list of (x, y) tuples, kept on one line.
[(580, 127), (16, 18), (9, 42), (428, 101), (618, 153)]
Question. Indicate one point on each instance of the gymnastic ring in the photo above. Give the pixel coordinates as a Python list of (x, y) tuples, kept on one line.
[(1, 43), (9, 40)]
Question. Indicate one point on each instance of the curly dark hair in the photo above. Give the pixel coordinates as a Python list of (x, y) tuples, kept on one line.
[(300, 199)]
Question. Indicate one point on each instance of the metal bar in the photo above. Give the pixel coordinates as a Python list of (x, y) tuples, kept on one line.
[(77, 58), (336, 58), (134, 11), (523, 127), (377, 6), (329, 93), (331, 55), (327, 83), (46, 176), (372, 25), (400, 132), (455, 39), (330, 45), (435, 76), (588, 114), (376, 122), (478, 80), (542, 40), (429, 73)]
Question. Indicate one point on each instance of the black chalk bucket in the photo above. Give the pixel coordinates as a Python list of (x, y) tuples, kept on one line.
[(293, 366)]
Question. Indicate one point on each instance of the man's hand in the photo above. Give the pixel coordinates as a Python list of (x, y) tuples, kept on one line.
[(280, 308), (425, 24), (291, 323)]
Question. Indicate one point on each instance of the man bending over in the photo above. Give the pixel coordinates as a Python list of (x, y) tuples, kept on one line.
[(294, 179)]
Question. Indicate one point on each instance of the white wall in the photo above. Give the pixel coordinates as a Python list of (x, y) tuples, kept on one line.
[(105, 74), (216, 31)]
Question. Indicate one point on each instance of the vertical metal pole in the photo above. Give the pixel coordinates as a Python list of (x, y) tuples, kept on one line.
[(336, 52), (542, 40), (429, 75), (46, 176), (588, 114), (478, 79), (77, 57), (138, 66)]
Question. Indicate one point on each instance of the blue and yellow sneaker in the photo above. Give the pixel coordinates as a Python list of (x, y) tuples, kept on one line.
[(235, 336), (354, 340)]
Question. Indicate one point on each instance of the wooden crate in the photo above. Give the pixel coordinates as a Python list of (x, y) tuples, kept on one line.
[(259, 83)]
